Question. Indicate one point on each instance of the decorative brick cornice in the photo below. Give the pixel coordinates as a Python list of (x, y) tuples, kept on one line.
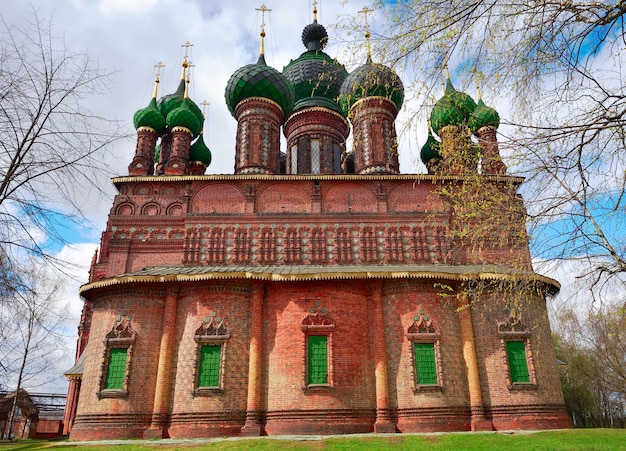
[(427, 178)]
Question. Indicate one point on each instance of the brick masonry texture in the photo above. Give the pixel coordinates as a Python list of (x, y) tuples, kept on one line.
[(348, 403), (314, 242)]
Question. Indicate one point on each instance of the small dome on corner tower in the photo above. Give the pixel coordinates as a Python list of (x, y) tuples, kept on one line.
[(454, 108), (483, 116)]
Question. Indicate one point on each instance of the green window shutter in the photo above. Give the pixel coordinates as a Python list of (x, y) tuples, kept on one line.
[(116, 368), (318, 359), (516, 353), (209, 366), (425, 363)]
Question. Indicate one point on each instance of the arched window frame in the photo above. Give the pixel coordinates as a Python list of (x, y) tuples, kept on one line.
[(317, 323), (514, 330), (121, 336), (212, 332), (423, 331)]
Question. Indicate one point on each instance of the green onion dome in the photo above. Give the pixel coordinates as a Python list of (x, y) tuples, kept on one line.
[(369, 80), (170, 102), (150, 117), (184, 116), (430, 149), (199, 151), (483, 116), (454, 108), (315, 76), (259, 80)]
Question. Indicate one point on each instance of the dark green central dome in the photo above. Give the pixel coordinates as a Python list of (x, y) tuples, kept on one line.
[(316, 79), (259, 80), (369, 80), (315, 76)]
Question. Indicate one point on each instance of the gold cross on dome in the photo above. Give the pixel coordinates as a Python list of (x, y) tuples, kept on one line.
[(263, 9), (158, 66), (187, 45), (204, 104), (365, 11)]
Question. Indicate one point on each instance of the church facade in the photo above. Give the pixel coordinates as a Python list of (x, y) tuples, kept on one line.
[(316, 290)]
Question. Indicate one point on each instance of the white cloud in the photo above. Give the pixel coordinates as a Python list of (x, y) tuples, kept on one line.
[(125, 7)]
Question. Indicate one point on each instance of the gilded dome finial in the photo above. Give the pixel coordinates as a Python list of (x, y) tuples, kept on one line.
[(314, 10), (263, 9), (365, 11), (479, 95), (204, 105), (185, 63), (188, 79), (157, 78)]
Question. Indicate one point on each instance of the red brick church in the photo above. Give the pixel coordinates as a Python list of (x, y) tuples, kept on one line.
[(317, 290)]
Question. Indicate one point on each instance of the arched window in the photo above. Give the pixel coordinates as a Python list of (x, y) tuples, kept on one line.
[(116, 359), (318, 330), (211, 338), (517, 353), (425, 354)]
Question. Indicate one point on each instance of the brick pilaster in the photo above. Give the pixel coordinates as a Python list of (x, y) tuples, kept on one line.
[(478, 420), (383, 422), (252, 426), (158, 427)]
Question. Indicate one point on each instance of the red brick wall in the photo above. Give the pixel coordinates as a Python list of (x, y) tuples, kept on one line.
[(352, 391), (223, 410)]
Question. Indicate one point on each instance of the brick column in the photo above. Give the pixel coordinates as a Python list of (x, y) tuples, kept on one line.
[(143, 162), (158, 427), (178, 162), (71, 404), (383, 419), (375, 141), (478, 420), (252, 426)]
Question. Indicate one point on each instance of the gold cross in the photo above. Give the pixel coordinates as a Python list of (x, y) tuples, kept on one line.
[(204, 104), (187, 45), (315, 10), (263, 9), (189, 65), (365, 11), (158, 66)]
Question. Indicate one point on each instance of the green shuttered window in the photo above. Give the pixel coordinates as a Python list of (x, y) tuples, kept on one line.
[(318, 359), (116, 369), (518, 366), (209, 366), (426, 368)]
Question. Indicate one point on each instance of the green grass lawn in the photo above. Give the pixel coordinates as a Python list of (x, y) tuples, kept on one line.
[(572, 439)]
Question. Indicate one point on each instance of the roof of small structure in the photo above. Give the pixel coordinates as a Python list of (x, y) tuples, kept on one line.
[(77, 369)]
